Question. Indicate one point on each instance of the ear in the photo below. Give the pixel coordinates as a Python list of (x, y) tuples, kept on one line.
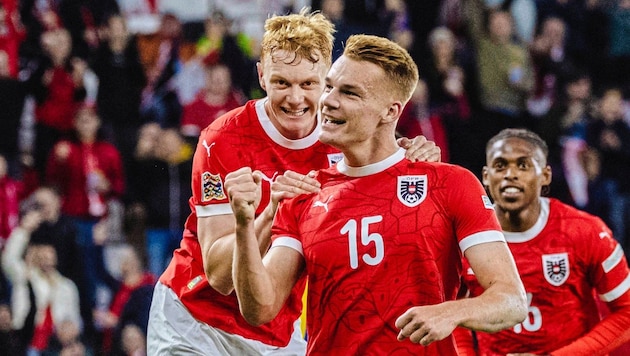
[(484, 176), (394, 111), (259, 69), (546, 176)]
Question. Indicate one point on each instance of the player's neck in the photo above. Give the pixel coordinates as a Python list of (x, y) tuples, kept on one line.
[(360, 155), (519, 220)]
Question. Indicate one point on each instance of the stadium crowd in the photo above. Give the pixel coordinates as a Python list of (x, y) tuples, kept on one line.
[(102, 102)]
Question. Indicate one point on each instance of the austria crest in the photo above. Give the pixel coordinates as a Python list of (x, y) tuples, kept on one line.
[(412, 190), (556, 268)]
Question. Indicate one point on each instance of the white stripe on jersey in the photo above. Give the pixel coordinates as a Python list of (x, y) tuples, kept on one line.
[(480, 238), (288, 242), (213, 210), (613, 260), (616, 292)]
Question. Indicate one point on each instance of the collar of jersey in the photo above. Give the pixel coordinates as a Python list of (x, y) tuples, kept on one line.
[(371, 168), (277, 137), (516, 237)]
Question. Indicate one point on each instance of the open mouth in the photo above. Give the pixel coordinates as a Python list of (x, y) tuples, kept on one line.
[(295, 112), (333, 121)]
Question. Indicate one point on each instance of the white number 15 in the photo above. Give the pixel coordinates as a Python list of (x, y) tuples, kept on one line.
[(350, 228)]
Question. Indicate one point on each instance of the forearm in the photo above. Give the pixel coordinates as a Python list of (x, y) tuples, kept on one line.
[(218, 258), (501, 306), (253, 285), (606, 336), (12, 261)]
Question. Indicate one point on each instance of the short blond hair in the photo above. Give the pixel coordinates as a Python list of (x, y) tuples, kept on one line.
[(308, 34), (398, 65)]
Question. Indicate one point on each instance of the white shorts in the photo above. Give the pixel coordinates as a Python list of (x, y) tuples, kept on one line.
[(173, 330)]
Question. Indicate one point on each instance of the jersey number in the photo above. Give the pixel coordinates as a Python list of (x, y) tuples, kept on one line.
[(533, 322), (367, 237)]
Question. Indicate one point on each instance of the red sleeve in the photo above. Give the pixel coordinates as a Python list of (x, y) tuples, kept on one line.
[(610, 333), (464, 340)]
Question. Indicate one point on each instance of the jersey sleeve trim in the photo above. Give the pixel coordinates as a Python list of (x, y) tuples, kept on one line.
[(213, 210), (480, 238), (616, 292), (615, 257), (289, 242)]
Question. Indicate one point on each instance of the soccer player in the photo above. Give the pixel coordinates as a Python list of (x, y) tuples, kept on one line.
[(381, 242), (193, 310), (565, 258)]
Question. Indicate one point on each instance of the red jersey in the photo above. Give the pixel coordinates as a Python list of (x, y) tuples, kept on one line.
[(378, 240), (242, 137), (566, 255)]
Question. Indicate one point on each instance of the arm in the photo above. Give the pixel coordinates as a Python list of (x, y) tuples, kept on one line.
[(607, 335), (500, 306), (261, 288), (217, 236)]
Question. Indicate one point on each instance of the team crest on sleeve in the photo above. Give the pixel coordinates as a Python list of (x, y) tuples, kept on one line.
[(211, 187), (412, 190), (334, 158), (556, 268)]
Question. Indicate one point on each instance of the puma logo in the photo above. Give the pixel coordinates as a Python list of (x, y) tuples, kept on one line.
[(267, 179), (322, 204), (205, 145)]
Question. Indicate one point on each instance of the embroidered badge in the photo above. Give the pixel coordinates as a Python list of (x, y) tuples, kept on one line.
[(556, 268), (412, 190), (211, 187)]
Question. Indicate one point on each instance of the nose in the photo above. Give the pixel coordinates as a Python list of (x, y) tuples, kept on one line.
[(511, 172), (328, 99), (295, 95)]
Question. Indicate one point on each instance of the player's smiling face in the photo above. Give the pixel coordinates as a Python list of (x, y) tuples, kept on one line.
[(515, 173), (353, 104), (293, 89)]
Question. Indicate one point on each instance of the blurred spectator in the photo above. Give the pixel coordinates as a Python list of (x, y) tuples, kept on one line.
[(551, 62), (233, 49), (162, 56), (42, 299), (12, 33), (37, 17), (399, 29), (524, 14), (446, 73), (81, 18), (11, 194), (55, 228), (121, 81), (504, 69), (59, 91), (66, 341), (131, 292), (334, 10), (13, 94), (8, 336), (618, 13), (88, 172), (417, 119), (609, 135), (587, 35), (217, 97), (162, 188), (134, 341), (564, 130), (449, 74)]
